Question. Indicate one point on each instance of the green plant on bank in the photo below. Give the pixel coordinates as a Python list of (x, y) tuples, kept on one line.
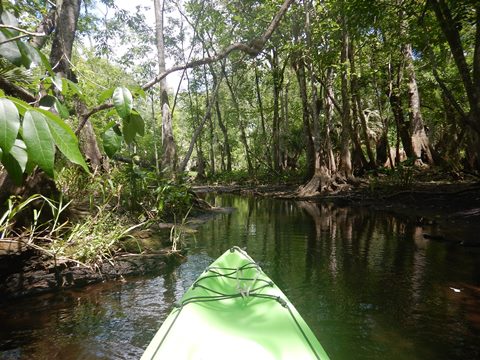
[(151, 196), (95, 239), (93, 189), (178, 232), (400, 177), (41, 235), (98, 237), (143, 198)]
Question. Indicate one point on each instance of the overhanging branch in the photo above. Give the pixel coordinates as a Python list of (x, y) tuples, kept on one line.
[(253, 48)]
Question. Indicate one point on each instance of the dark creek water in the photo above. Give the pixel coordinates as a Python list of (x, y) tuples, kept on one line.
[(368, 284)]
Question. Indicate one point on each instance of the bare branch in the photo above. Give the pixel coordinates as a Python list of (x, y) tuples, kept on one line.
[(31, 33)]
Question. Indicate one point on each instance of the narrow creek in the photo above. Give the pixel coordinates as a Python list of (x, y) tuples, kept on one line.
[(369, 285)]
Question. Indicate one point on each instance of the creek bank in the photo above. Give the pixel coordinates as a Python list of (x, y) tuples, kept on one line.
[(447, 211), (31, 272), (25, 271)]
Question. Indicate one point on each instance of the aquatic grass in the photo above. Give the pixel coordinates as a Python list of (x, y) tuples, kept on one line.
[(98, 237), (93, 240), (178, 232)]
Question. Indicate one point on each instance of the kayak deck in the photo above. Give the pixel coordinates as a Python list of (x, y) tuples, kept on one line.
[(235, 311)]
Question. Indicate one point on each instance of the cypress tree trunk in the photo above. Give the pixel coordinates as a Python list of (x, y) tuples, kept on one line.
[(419, 139)]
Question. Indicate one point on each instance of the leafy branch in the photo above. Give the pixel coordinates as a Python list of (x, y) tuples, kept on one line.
[(253, 48)]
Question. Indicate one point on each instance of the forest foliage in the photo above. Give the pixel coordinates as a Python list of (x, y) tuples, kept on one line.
[(323, 91)]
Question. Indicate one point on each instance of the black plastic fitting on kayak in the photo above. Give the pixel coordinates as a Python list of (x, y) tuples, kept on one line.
[(282, 302)]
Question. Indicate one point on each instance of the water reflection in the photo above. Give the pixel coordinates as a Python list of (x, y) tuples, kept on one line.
[(369, 285)]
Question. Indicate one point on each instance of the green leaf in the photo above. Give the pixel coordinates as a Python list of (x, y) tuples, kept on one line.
[(123, 101), (111, 142), (9, 19), (47, 101), (57, 81), (70, 87), (106, 94), (29, 54), (19, 152), (137, 123), (13, 168), (10, 50), (138, 91), (9, 124), (64, 138), (61, 109), (21, 105), (15, 162), (39, 140), (128, 130), (45, 62)]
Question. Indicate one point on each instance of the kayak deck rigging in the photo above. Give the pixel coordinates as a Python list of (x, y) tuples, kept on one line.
[(224, 289)]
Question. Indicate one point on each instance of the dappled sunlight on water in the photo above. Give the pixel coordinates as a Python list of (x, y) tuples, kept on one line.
[(369, 285)]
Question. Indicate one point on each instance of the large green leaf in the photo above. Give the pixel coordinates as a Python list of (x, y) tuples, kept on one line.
[(57, 81), (29, 54), (9, 124), (137, 123), (39, 140), (10, 50), (9, 19), (111, 142), (128, 130), (45, 61), (64, 138), (15, 162), (106, 94), (123, 101)]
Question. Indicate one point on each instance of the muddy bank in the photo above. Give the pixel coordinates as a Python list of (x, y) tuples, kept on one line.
[(25, 271), (31, 272)]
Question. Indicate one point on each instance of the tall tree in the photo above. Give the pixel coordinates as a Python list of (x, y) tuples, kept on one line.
[(420, 141), (169, 151)]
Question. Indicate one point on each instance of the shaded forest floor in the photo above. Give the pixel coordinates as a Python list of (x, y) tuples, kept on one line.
[(447, 208)]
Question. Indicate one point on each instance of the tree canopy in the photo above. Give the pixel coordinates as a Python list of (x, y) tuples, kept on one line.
[(326, 90)]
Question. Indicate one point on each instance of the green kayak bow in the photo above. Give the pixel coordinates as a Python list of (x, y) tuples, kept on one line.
[(234, 311)]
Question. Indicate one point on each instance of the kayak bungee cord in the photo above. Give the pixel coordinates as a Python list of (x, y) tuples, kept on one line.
[(242, 292)]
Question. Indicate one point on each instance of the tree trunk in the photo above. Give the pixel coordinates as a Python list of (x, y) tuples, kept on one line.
[(345, 168), (328, 100), (419, 139), (211, 141), (470, 75), (277, 77), (397, 110), (169, 150), (199, 127), (310, 147), (226, 143), (243, 135), (268, 157), (357, 106), (62, 45), (60, 58)]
